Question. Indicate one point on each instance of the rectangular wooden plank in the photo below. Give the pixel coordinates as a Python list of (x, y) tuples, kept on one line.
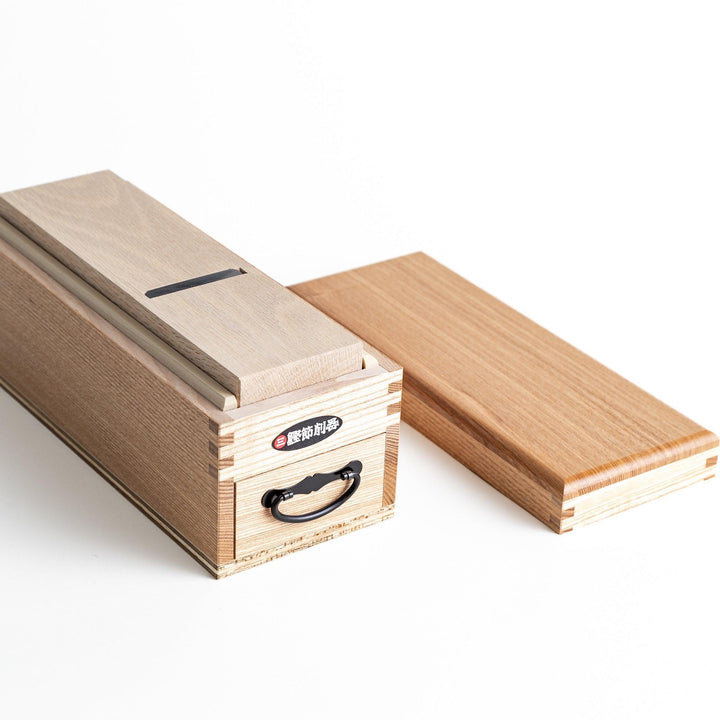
[(246, 331), (539, 419), (131, 328)]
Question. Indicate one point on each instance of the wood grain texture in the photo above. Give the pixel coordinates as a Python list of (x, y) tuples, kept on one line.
[(138, 333), (638, 489), (137, 419), (247, 332), (392, 440), (157, 426), (165, 446), (361, 399), (228, 566), (207, 563), (256, 528), (305, 540), (537, 418)]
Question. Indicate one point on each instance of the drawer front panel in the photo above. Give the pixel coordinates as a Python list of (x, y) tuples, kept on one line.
[(366, 406), (257, 530)]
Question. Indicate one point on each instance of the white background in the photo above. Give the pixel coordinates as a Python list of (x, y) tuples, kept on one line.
[(562, 155)]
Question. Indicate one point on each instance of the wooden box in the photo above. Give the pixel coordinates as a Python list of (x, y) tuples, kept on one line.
[(557, 432), (239, 418)]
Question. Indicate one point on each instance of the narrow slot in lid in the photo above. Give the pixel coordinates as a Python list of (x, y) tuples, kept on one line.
[(250, 334)]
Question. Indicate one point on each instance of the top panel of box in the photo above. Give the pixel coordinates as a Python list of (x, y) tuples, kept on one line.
[(253, 336)]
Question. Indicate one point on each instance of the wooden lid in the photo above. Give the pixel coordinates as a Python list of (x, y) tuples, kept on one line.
[(554, 417), (246, 331)]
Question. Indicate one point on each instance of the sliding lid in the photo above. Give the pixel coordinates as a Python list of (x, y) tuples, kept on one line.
[(246, 331), (560, 419)]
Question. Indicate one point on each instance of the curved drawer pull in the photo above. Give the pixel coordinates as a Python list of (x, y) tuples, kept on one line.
[(272, 498)]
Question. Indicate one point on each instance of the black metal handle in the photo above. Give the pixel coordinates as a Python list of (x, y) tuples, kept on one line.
[(272, 498)]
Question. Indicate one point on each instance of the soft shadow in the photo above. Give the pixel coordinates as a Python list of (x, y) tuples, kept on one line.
[(454, 478), (59, 506)]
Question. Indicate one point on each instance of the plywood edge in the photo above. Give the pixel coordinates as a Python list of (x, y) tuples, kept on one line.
[(630, 466), (638, 489)]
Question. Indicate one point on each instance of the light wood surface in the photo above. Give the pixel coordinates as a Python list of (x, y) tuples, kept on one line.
[(538, 419), (368, 401), (362, 402), (247, 332), (135, 417), (638, 489), (160, 350), (183, 461), (300, 542), (258, 531), (304, 539)]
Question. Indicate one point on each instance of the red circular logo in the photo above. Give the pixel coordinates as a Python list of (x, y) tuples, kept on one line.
[(280, 442)]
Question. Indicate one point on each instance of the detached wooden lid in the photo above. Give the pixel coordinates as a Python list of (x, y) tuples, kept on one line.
[(254, 337), (559, 433)]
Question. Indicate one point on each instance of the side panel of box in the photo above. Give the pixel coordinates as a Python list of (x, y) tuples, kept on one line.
[(136, 420)]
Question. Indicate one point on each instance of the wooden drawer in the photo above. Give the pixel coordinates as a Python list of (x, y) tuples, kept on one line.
[(258, 532)]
